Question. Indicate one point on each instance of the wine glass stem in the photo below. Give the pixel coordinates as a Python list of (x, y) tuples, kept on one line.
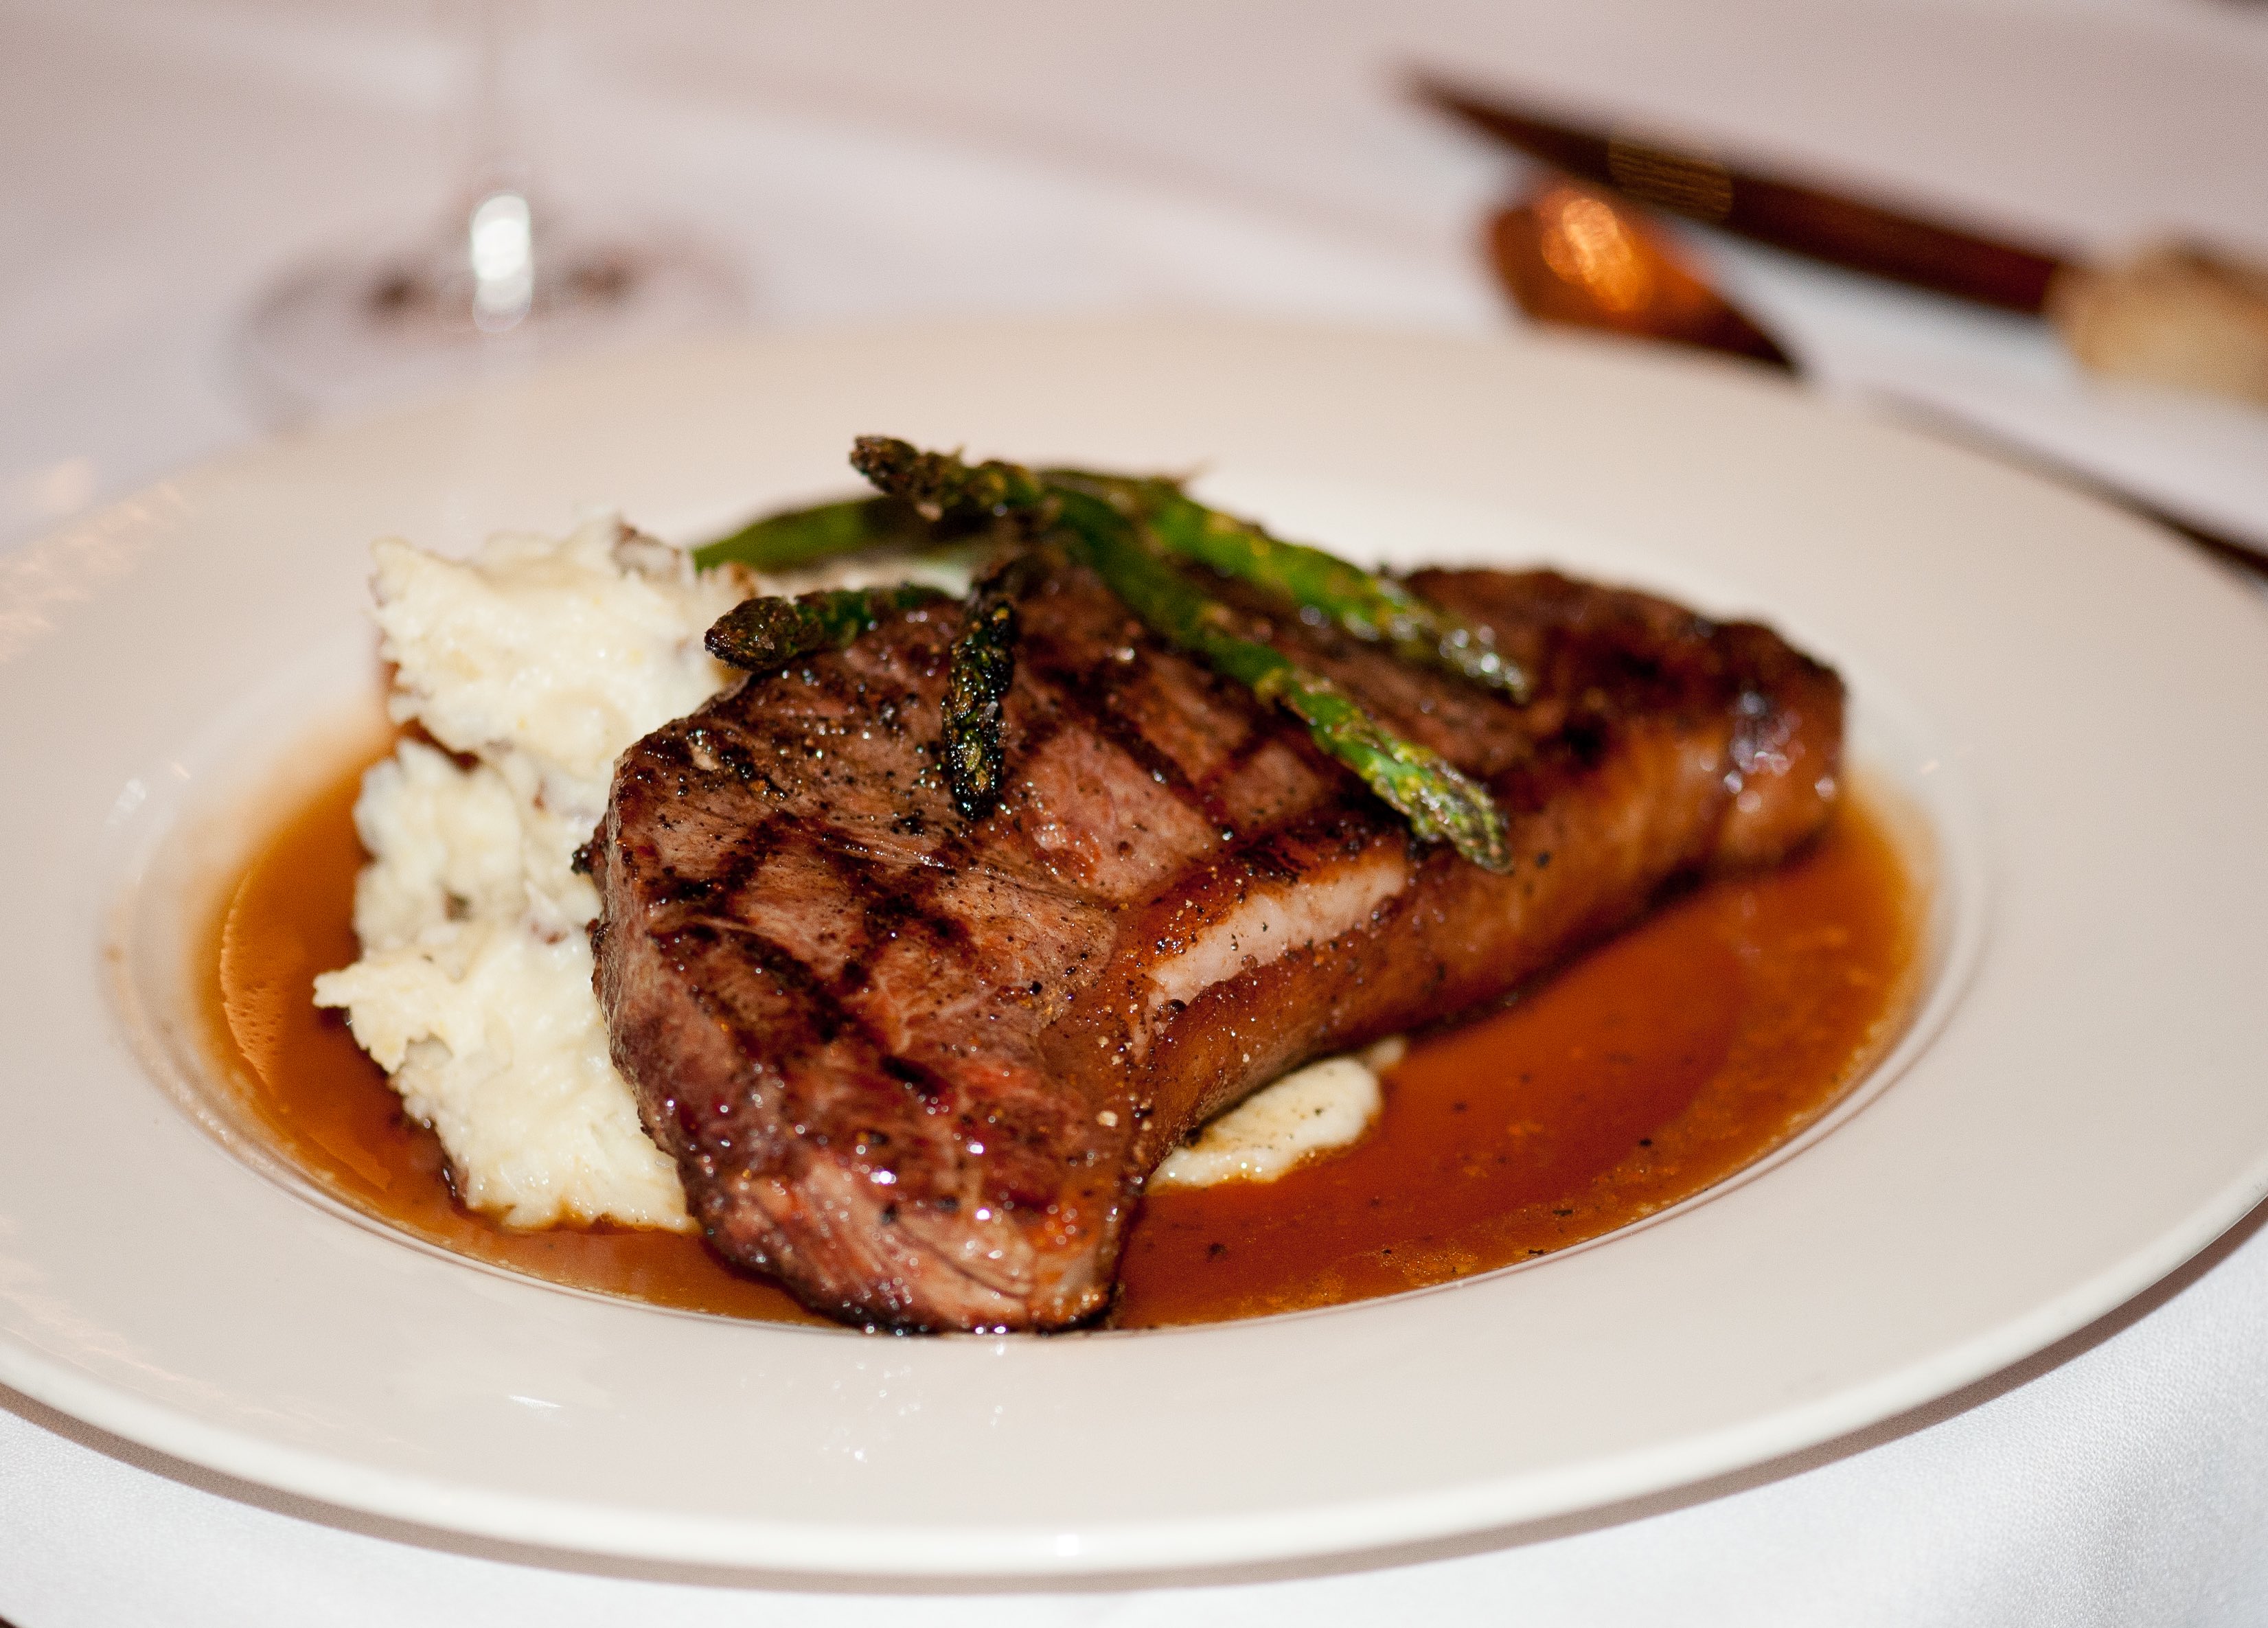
[(499, 229), (492, 159)]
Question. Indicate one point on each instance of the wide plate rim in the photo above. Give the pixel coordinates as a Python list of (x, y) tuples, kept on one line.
[(1104, 1547)]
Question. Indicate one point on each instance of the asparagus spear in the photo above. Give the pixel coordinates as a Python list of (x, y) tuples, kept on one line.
[(938, 484), (763, 634), (1374, 609), (1425, 788), (784, 541), (1371, 608), (983, 664)]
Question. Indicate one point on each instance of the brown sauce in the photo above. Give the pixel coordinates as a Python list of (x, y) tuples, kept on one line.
[(1640, 1074), (328, 1109)]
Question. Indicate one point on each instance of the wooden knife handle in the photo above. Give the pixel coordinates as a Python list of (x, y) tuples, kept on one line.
[(1820, 226)]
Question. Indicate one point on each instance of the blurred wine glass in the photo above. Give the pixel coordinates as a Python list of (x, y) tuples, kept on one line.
[(499, 282)]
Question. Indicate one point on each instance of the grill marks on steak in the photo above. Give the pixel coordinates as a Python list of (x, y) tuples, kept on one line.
[(919, 1067)]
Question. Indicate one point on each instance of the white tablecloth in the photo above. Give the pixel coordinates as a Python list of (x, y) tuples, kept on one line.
[(159, 159)]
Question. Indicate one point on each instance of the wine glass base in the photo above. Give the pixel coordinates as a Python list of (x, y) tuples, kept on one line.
[(344, 334)]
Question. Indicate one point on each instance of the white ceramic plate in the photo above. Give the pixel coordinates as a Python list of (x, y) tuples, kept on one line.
[(2075, 704)]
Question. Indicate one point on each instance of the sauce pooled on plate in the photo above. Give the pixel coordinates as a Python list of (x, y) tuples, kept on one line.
[(1644, 1071)]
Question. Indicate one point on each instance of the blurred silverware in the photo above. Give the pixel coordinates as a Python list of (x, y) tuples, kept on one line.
[(2171, 313), (1575, 256), (1804, 220)]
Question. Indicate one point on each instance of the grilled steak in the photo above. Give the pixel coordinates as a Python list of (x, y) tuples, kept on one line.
[(918, 1068)]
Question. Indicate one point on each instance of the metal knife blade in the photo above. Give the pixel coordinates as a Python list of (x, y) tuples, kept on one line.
[(1804, 220)]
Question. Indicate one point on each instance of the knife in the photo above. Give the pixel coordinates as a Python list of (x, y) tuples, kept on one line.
[(1820, 226), (2172, 313), (1574, 256)]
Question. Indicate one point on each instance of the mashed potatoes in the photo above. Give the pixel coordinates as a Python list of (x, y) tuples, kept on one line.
[(540, 660), (1310, 1110), (535, 663)]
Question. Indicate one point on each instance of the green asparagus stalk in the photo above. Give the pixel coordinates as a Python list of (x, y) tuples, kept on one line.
[(1439, 802), (938, 484), (765, 634), (802, 536), (983, 666), (1372, 608)]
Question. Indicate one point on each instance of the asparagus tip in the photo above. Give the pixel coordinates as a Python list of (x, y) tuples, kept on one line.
[(758, 634), (884, 458), (1459, 810)]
